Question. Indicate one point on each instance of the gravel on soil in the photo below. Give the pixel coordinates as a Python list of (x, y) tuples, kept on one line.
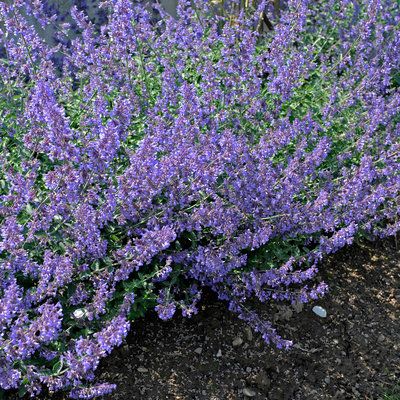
[(353, 353)]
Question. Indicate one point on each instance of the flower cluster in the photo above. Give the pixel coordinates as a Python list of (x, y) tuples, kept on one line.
[(164, 155)]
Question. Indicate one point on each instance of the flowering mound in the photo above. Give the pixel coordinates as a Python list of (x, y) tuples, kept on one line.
[(167, 155)]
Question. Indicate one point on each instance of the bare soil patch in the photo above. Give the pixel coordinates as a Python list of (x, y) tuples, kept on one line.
[(353, 353)]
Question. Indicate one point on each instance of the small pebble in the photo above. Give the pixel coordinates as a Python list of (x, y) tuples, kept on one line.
[(321, 312), (249, 392), (198, 350), (143, 370), (219, 354), (237, 342), (249, 333), (79, 313)]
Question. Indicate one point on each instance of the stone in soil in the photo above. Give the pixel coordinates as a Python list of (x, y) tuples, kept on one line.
[(249, 392), (237, 342)]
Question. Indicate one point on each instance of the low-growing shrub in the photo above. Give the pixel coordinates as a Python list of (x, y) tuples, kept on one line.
[(168, 155)]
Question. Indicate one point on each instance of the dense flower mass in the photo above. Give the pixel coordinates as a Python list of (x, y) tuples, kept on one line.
[(165, 155)]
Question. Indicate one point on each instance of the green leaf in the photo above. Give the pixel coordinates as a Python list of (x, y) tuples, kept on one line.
[(29, 209), (22, 391), (57, 367)]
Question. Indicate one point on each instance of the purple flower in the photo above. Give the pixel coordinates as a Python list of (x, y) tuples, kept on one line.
[(101, 389), (165, 311)]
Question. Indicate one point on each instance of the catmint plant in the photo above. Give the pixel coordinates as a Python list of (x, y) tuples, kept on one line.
[(152, 157)]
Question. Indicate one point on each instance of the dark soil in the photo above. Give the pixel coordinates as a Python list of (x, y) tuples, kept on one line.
[(353, 353)]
